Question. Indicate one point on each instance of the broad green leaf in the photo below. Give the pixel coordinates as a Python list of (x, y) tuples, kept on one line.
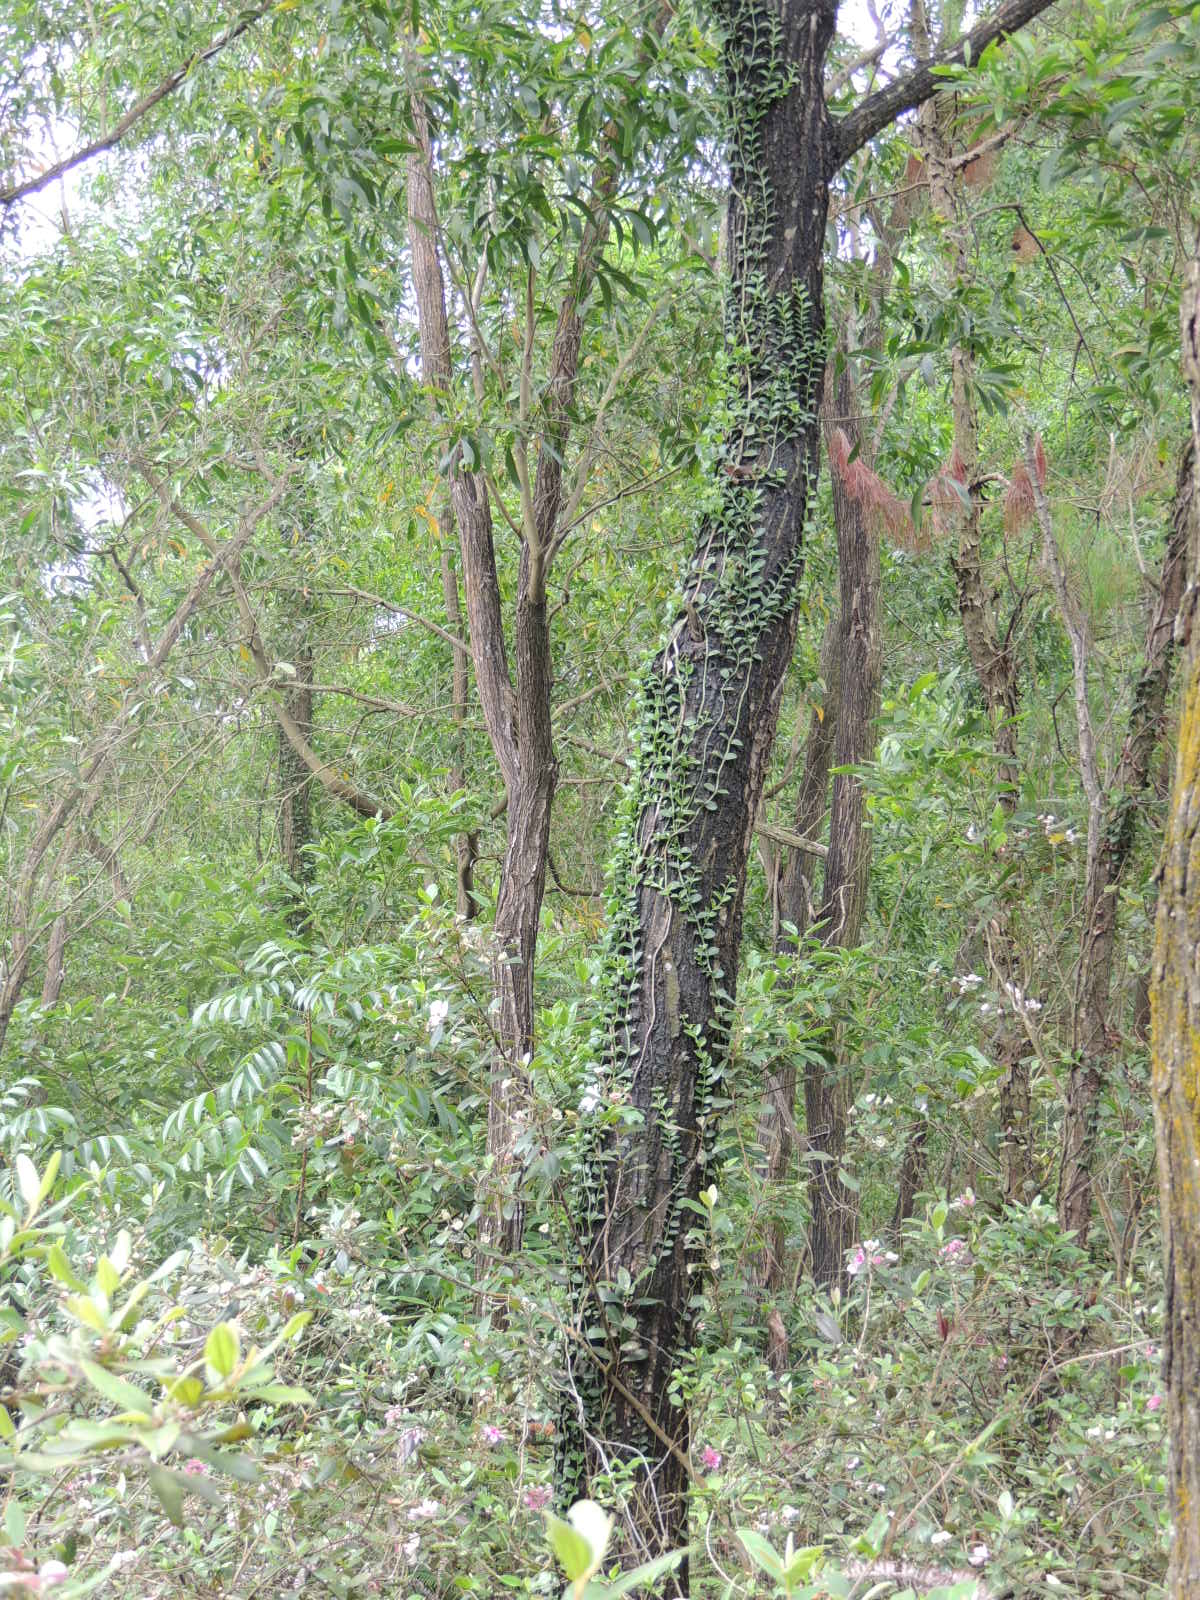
[(221, 1349), (170, 1488), (761, 1552), (118, 1390), (28, 1182), (572, 1549)]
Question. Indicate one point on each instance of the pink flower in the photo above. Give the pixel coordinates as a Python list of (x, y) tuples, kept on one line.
[(491, 1434), (711, 1459), (964, 1201), (954, 1253), (1154, 1402), (50, 1573), (195, 1468), (537, 1498), (857, 1261)]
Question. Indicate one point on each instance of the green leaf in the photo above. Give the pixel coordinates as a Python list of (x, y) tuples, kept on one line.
[(572, 1549), (640, 1577), (281, 1394), (60, 1268), (221, 1349), (120, 1392), (28, 1182), (760, 1551), (170, 1488)]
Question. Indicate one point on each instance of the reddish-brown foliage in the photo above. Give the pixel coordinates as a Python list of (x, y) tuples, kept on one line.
[(888, 513)]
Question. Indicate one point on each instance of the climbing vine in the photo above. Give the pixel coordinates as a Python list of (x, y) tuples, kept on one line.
[(706, 713)]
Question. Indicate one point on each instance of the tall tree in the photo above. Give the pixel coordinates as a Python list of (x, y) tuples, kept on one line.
[(1175, 1046), (710, 704)]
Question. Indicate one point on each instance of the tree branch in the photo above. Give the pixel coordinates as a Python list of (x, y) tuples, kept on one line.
[(879, 111), (133, 116)]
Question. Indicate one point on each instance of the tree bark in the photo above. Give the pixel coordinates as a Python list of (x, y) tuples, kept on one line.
[(466, 846), (710, 703), (295, 780), (834, 1209), (794, 908), (1175, 1051), (1092, 1043), (709, 709)]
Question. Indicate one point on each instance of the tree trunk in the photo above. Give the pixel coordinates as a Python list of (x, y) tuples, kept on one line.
[(833, 1205), (295, 780), (1175, 1050), (708, 713), (1092, 1042), (710, 703), (466, 846), (991, 650), (794, 908)]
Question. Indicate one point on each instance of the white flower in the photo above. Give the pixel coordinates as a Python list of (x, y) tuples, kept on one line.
[(940, 1537), (424, 1511), (978, 1554), (590, 1100), (438, 1012)]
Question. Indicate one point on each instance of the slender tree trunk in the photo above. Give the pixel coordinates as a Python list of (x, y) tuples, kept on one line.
[(796, 896), (52, 982), (710, 703), (1092, 1042), (777, 1133), (834, 1209), (295, 780), (1175, 1051), (466, 847), (991, 650)]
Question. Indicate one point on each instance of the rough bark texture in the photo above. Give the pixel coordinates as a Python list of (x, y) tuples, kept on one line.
[(1175, 1050), (710, 707), (1093, 1042), (834, 1209)]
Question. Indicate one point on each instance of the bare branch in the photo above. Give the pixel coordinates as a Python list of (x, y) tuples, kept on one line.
[(879, 111), (133, 116)]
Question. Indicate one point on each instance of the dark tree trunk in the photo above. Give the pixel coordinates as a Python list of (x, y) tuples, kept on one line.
[(912, 1168), (55, 973), (1175, 1049), (710, 703), (1093, 1043), (709, 708), (796, 897)]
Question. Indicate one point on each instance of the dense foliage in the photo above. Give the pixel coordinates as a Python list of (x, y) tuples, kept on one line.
[(299, 1210)]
